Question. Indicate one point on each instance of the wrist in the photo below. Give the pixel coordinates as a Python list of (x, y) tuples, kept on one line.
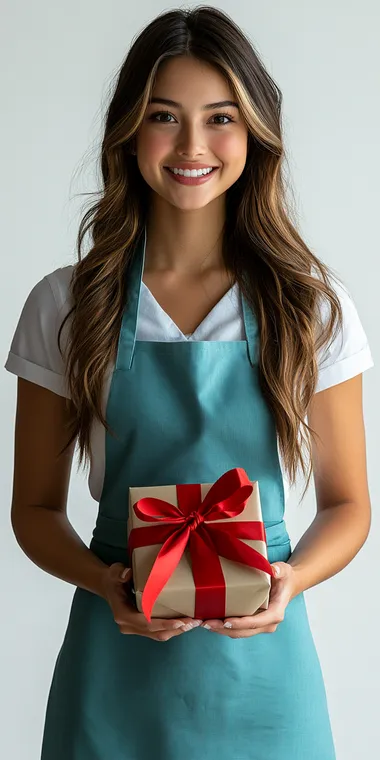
[(99, 580), (298, 585)]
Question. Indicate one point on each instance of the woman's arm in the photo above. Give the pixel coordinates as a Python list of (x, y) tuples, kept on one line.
[(40, 488), (343, 518)]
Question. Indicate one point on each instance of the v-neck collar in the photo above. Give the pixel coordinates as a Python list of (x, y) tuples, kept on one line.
[(200, 329)]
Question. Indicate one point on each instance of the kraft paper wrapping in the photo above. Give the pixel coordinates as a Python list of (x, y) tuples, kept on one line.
[(247, 589)]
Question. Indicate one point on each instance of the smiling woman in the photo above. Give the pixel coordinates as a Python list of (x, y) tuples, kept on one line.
[(198, 334)]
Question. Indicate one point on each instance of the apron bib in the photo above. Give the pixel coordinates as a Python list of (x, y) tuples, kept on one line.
[(185, 412)]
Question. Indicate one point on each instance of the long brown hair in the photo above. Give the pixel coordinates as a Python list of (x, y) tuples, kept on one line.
[(281, 278)]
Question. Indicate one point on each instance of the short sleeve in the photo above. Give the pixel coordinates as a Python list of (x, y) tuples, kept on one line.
[(349, 354), (34, 353)]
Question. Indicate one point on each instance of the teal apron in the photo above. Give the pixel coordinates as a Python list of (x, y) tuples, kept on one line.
[(185, 412)]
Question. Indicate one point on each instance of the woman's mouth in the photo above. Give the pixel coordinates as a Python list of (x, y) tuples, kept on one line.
[(200, 180)]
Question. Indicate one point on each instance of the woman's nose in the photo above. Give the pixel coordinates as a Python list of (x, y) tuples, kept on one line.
[(190, 142)]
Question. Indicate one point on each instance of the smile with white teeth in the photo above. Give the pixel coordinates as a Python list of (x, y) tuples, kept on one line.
[(190, 172)]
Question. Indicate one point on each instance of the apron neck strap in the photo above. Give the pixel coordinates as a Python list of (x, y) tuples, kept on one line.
[(251, 331), (127, 338), (128, 331)]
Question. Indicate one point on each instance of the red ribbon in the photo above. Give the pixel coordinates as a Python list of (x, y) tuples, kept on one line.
[(189, 523)]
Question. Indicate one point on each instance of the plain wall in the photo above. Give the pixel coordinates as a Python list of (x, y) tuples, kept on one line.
[(57, 62)]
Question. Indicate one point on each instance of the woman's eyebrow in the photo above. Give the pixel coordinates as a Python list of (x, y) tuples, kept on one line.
[(219, 104)]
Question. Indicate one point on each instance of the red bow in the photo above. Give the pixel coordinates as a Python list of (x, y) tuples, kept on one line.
[(226, 498)]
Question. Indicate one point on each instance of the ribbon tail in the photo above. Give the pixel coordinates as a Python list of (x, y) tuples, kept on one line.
[(164, 565), (231, 548)]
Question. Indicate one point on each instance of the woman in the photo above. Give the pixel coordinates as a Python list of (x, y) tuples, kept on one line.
[(199, 333)]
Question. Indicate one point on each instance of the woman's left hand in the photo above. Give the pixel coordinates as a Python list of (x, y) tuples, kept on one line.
[(282, 591)]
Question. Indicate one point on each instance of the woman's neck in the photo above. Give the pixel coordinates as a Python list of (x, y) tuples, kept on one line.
[(185, 243)]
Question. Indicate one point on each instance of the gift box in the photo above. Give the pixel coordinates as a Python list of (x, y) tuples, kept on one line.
[(199, 550)]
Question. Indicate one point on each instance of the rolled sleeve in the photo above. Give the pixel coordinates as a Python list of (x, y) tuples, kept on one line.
[(349, 354), (34, 353)]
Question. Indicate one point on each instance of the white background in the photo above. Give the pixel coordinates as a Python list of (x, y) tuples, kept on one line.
[(57, 63)]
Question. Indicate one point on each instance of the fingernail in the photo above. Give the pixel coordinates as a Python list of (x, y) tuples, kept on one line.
[(206, 625), (179, 625), (227, 625), (191, 625), (125, 572)]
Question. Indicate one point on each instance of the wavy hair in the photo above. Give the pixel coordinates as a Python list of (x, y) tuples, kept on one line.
[(283, 281)]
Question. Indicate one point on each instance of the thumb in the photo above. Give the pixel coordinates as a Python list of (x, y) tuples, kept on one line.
[(125, 574), (278, 570)]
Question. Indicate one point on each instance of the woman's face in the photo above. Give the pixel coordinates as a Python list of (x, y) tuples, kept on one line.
[(187, 132)]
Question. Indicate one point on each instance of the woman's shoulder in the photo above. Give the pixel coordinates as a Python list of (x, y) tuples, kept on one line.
[(348, 353), (34, 352), (53, 289)]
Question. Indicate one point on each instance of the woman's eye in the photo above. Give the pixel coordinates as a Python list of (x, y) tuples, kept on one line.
[(223, 116), (154, 117)]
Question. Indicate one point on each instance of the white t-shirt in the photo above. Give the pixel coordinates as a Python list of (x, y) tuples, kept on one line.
[(34, 353)]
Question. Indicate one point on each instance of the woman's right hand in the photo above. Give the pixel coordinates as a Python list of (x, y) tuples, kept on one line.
[(129, 619)]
